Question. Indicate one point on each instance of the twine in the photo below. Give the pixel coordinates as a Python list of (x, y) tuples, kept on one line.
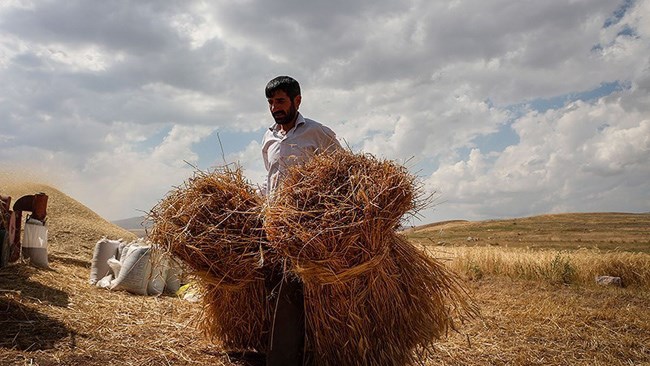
[(319, 273)]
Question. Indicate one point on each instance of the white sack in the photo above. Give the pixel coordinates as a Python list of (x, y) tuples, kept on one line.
[(136, 270), (105, 282), (116, 266), (34, 245), (159, 269), (105, 249), (173, 280)]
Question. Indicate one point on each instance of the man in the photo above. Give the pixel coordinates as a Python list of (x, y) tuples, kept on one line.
[(292, 140)]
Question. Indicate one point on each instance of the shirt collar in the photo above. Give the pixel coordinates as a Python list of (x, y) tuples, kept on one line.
[(299, 121)]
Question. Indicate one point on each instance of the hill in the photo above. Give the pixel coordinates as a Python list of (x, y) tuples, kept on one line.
[(132, 223), (568, 231), (137, 225)]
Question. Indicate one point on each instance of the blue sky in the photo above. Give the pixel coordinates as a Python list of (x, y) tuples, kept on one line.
[(503, 108), (506, 136)]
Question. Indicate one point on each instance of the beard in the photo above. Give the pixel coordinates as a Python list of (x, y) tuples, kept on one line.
[(283, 118)]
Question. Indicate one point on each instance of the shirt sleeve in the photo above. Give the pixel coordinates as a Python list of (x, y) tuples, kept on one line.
[(265, 151), (327, 140)]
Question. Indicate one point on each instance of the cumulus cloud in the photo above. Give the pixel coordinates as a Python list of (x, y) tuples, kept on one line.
[(250, 160), (583, 157), (115, 96)]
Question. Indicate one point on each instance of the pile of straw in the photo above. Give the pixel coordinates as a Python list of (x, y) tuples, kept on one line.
[(213, 223), (371, 297)]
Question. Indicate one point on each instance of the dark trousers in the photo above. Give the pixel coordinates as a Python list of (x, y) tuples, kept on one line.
[(287, 335)]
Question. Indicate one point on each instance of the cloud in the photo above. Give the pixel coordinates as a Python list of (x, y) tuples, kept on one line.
[(124, 170), (120, 25), (250, 159), (585, 156), (113, 96)]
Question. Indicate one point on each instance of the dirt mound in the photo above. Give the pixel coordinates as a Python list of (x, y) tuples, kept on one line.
[(72, 227)]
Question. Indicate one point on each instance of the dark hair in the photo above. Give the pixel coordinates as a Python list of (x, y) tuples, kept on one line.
[(285, 83)]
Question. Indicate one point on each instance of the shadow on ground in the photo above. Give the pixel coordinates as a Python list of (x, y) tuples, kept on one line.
[(25, 329), (16, 279), (22, 327), (71, 261)]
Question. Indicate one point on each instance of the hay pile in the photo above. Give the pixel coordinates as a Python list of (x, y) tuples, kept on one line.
[(214, 224), (69, 220), (371, 297)]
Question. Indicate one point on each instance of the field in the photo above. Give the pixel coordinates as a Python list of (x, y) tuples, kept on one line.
[(531, 277), (534, 279), (607, 231)]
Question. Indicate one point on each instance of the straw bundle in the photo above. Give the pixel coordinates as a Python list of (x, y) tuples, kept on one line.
[(213, 224), (371, 298)]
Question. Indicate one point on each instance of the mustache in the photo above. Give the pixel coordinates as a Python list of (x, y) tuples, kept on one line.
[(279, 114)]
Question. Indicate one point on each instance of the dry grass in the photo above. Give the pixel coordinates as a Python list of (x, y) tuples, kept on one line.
[(568, 267), (334, 219), (562, 248), (534, 280), (53, 317), (213, 223), (606, 231), (532, 323)]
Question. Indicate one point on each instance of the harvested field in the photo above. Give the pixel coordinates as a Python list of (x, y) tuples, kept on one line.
[(533, 323), (53, 317)]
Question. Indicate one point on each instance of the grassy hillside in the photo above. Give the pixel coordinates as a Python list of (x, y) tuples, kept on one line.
[(605, 231), (562, 248), (534, 280)]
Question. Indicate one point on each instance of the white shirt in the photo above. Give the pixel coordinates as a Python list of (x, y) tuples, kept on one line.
[(281, 150)]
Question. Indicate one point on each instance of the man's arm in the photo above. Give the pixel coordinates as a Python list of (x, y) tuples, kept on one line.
[(327, 140)]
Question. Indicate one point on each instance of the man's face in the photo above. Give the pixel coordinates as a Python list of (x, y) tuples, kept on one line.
[(283, 109)]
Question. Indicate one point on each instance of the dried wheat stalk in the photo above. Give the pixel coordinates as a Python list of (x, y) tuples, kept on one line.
[(213, 223), (371, 297)]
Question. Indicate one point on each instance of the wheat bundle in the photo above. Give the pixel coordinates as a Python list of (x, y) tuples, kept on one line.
[(238, 320), (371, 297), (213, 223)]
